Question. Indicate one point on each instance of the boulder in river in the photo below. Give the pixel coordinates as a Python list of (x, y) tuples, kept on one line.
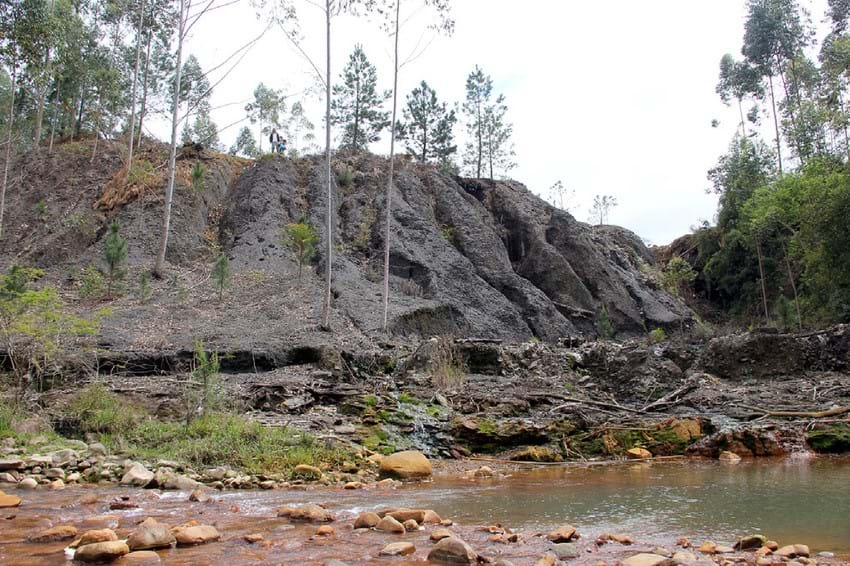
[(750, 542), (409, 464), (9, 500), (140, 558), (151, 534), (59, 532), (398, 549), (452, 550), (565, 551), (97, 535), (563, 534), (309, 513), (102, 551), (644, 559), (195, 534), (403, 515), (366, 520), (638, 454), (137, 476), (390, 525)]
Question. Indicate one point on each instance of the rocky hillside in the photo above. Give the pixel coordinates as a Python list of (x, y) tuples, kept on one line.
[(469, 258)]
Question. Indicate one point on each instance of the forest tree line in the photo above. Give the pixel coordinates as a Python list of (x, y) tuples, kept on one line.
[(779, 252)]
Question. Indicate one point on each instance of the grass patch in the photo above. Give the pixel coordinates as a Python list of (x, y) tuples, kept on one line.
[(96, 409), (221, 439), (405, 397)]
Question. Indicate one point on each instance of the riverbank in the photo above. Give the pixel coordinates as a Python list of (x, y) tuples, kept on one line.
[(648, 509)]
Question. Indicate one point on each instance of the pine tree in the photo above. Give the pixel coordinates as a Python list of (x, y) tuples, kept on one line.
[(356, 105), (221, 274), (301, 238), (428, 127), (479, 89), (115, 253)]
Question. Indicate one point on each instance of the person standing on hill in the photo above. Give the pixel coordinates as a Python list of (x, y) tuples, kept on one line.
[(274, 140)]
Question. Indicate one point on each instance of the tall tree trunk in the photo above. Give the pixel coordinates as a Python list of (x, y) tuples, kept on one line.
[(793, 287), (135, 85), (159, 266), (8, 156), (53, 118), (776, 124), (761, 275), (79, 126), (143, 109), (741, 112), (96, 134), (790, 102), (392, 172), (356, 114), (480, 143), (326, 302)]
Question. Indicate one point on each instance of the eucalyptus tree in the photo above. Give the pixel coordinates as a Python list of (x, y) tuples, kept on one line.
[(737, 81), (10, 47), (443, 22), (266, 109)]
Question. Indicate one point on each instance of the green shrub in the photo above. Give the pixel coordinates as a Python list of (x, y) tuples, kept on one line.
[(198, 173), (446, 368), (41, 210), (370, 400), (301, 238), (657, 335), (92, 283), (604, 326), (144, 291), (405, 397), (96, 409)]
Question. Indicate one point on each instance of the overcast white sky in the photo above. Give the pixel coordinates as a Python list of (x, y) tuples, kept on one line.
[(610, 97)]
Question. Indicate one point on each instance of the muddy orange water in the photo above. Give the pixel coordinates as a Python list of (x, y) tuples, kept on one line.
[(790, 501)]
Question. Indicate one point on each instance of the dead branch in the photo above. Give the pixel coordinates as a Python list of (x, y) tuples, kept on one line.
[(834, 412)]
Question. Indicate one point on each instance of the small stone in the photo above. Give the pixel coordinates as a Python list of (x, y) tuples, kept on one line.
[(452, 550), (563, 534), (354, 485), (565, 551), (253, 538), (772, 545), (55, 473), (638, 454), (96, 536), (60, 532), (325, 531), (390, 525), (398, 549), (101, 551), (724, 549), (622, 539), (309, 513), (708, 547), (140, 558), (683, 542), (483, 472), (199, 496), (410, 525), (194, 535), (431, 518), (366, 520), (28, 483), (644, 559), (403, 515), (547, 559), (57, 484), (729, 457), (440, 534)]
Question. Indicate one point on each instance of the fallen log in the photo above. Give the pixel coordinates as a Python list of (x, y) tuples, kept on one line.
[(834, 412)]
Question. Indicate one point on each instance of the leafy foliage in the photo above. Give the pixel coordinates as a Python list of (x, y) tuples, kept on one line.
[(115, 254), (356, 103)]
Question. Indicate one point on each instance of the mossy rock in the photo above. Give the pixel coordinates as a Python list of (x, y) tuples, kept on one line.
[(537, 454), (833, 439)]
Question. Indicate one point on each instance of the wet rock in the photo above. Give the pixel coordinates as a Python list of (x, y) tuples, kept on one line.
[(367, 520), (390, 525), (410, 525), (253, 538), (56, 484), (306, 472), (792, 551), (750, 542), (563, 534), (60, 532), (309, 513), (409, 464), (708, 547), (7, 478), (729, 457), (644, 559), (398, 549), (140, 558), (403, 515), (325, 531), (28, 483), (55, 473), (97, 535), (483, 472), (440, 534), (11, 464), (7, 501), (101, 551), (199, 496), (547, 559), (354, 485), (685, 430), (73, 477), (137, 476), (150, 534), (638, 454), (431, 517), (622, 539), (565, 550), (195, 535), (452, 550), (537, 454)]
